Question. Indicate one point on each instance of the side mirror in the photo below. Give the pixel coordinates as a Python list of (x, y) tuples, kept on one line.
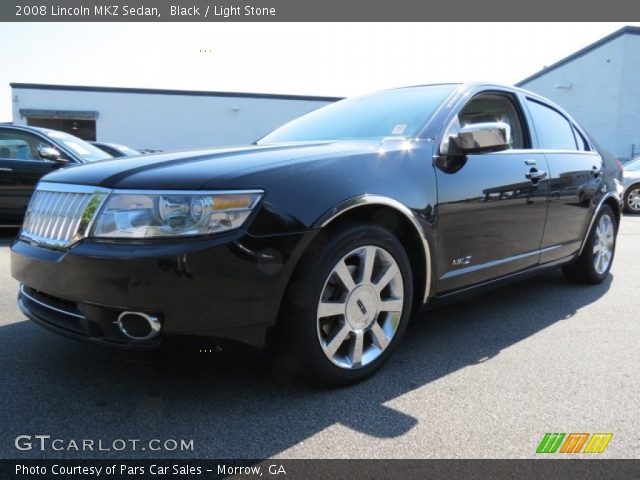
[(50, 153), (482, 137)]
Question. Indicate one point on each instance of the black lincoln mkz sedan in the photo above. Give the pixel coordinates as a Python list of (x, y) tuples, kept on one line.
[(29, 153), (324, 236)]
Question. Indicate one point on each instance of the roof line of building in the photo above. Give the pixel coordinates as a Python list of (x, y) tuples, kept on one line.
[(618, 33), (196, 93)]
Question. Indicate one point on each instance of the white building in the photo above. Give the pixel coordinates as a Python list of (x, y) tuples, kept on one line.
[(157, 119), (600, 86)]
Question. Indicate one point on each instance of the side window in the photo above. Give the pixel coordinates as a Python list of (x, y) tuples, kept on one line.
[(20, 146), (553, 129), (490, 107), (582, 142)]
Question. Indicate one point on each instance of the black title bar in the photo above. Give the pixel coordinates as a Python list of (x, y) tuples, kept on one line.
[(323, 469), (314, 10)]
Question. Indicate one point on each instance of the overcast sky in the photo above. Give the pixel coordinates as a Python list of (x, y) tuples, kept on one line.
[(337, 59)]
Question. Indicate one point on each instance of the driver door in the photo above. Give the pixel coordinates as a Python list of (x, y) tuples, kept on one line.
[(491, 205)]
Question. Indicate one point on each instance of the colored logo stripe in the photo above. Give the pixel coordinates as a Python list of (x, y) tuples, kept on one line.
[(574, 442), (550, 443), (598, 442)]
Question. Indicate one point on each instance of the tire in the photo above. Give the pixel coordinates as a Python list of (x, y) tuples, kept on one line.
[(323, 341), (594, 263), (632, 198)]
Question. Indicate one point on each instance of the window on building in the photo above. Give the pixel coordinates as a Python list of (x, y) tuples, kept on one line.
[(84, 129)]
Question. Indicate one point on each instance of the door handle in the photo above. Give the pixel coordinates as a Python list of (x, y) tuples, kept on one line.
[(536, 175), (5, 169), (530, 161)]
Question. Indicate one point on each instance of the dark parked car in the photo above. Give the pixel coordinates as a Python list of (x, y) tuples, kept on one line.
[(28, 153), (116, 150), (325, 236)]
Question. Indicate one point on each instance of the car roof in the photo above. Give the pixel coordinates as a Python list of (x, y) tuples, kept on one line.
[(29, 128), (468, 86)]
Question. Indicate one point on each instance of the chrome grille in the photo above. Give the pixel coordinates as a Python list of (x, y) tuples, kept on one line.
[(58, 215)]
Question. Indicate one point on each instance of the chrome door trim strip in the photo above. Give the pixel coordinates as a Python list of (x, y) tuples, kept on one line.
[(495, 263)]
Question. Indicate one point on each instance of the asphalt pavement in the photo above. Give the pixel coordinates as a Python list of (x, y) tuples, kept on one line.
[(483, 378)]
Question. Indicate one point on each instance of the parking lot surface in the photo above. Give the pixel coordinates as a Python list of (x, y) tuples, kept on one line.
[(483, 378)]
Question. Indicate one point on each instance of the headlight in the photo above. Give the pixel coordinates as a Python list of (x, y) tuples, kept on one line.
[(171, 214)]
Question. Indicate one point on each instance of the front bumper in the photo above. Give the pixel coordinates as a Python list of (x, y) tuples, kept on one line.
[(227, 287)]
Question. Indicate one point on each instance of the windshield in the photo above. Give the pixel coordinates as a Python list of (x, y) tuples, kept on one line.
[(633, 165), (385, 114), (82, 149)]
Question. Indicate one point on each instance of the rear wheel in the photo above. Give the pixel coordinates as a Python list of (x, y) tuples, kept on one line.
[(594, 263), (348, 304), (632, 199)]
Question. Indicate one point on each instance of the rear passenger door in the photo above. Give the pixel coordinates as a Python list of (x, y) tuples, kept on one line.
[(575, 172)]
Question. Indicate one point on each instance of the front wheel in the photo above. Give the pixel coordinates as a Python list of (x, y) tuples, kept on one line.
[(348, 304), (594, 263)]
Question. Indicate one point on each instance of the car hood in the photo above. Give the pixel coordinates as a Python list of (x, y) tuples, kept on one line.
[(203, 168)]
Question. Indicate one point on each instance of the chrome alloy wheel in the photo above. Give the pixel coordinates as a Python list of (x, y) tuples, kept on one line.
[(633, 200), (360, 307), (603, 244)]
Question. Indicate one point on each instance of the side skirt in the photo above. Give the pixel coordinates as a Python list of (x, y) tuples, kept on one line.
[(451, 296)]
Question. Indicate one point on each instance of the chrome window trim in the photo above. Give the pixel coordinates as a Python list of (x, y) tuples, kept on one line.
[(369, 199), (50, 307), (572, 152), (542, 151), (35, 160)]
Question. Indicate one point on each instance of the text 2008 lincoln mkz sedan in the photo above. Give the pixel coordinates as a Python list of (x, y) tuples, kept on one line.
[(327, 234)]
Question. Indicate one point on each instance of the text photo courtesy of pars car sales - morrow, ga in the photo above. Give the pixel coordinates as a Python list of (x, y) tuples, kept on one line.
[(262, 240)]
